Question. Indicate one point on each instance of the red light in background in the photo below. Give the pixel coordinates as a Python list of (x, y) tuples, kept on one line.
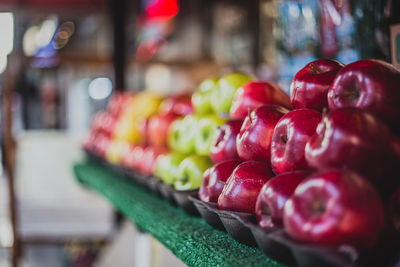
[(162, 9)]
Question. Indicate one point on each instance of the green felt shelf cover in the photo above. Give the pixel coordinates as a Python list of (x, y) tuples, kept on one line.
[(191, 239)]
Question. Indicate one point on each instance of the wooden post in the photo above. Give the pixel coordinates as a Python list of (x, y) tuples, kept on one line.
[(118, 14), (9, 160)]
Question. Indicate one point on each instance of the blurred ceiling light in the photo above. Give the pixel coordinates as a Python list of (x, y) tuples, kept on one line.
[(29, 41), (158, 78), (47, 31), (64, 33), (6, 32), (68, 28), (100, 88), (37, 37)]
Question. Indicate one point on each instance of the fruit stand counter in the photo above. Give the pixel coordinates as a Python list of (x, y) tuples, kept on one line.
[(189, 238)]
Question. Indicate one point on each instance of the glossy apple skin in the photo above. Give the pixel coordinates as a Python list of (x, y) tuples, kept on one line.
[(335, 207), (243, 186), (216, 177), (254, 139), (255, 94), (289, 140), (179, 105), (158, 127), (371, 85), (273, 196), (310, 85), (224, 147), (355, 139), (204, 193)]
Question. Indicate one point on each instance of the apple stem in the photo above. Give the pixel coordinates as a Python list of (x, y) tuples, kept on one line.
[(283, 138), (324, 111), (318, 207), (314, 68), (249, 112), (353, 94)]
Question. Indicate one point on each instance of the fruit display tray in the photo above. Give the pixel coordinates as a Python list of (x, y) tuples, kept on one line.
[(275, 243), (175, 197), (190, 238)]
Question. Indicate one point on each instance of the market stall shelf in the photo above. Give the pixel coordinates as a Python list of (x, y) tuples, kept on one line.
[(190, 238)]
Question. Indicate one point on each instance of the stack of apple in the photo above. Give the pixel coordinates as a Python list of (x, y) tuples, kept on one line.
[(321, 164), (141, 156), (99, 138), (191, 137), (132, 130)]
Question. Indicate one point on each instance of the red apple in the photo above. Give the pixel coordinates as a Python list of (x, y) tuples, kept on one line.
[(133, 157), (371, 85), (101, 144), (89, 141), (158, 127), (273, 196), (254, 139), (335, 207), (204, 193), (103, 122), (289, 140), (352, 138), (241, 189), (310, 85), (255, 94), (215, 178), (118, 102), (224, 147), (179, 105), (142, 125)]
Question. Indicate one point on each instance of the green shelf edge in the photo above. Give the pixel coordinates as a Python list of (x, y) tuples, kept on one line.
[(191, 239)]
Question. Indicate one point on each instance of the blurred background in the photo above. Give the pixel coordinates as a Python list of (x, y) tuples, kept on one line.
[(60, 60)]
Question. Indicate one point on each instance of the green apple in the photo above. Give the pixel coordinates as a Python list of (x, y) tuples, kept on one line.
[(190, 172), (206, 133), (182, 134), (222, 95), (201, 99), (174, 134), (167, 166)]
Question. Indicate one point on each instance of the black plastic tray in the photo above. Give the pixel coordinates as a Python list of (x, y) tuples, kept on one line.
[(234, 223), (269, 245), (276, 244), (208, 213), (231, 222), (166, 191), (183, 201)]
